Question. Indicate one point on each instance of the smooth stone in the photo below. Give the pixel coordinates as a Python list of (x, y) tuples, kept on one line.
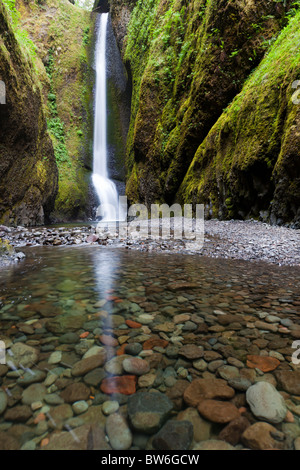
[(218, 411), (55, 357), (118, 432), (202, 428), (80, 406), (148, 411), (22, 354), (233, 431), (191, 351), (53, 399), (94, 350), (110, 406), (135, 366), (174, 435), (200, 365), (288, 381), (133, 349), (75, 392), (115, 365), (207, 388), (124, 384), (260, 436), (145, 318), (266, 403), (33, 393), (263, 363), (19, 413), (84, 366), (228, 372), (68, 338), (147, 380), (31, 376), (59, 414), (213, 444), (94, 377)]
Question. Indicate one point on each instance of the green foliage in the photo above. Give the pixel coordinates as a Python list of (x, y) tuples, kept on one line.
[(21, 34), (55, 125)]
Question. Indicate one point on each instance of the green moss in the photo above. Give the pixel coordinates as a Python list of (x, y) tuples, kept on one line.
[(67, 53), (243, 160)]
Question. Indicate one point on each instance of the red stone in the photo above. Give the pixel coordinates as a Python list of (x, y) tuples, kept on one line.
[(133, 324), (152, 342), (121, 350), (125, 384), (263, 363)]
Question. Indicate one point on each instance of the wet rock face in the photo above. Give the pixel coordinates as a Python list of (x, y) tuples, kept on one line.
[(28, 173)]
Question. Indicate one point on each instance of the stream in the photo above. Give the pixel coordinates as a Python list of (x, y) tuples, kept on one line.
[(87, 329)]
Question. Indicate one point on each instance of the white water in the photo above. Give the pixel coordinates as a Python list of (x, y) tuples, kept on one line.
[(105, 188)]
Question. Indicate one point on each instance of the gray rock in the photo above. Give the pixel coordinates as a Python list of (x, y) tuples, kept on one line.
[(174, 435), (266, 403), (147, 412), (118, 432)]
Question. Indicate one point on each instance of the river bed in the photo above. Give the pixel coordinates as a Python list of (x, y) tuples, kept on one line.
[(90, 330)]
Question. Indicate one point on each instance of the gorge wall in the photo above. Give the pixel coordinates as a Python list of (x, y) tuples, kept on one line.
[(212, 115), (46, 149), (28, 172)]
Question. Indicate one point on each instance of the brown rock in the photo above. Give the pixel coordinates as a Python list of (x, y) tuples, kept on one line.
[(176, 392), (260, 436), (78, 439), (74, 392), (289, 381), (232, 433), (211, 388), (89, 363), (263, 363), (218, 411), (125, 384), (8, 442), (152, 342), (191, 351), (19, 413)]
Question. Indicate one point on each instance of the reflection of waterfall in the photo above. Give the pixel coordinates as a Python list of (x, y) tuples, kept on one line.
[(106, 275), (105, 188)]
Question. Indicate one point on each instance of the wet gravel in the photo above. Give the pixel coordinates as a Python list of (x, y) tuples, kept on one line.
[(243, 240)]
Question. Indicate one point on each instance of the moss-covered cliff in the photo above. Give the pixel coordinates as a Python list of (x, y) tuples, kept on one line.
[(64, 37), (189, 60), (28, 171)]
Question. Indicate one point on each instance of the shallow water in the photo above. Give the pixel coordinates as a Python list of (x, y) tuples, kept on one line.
[(91, 289)]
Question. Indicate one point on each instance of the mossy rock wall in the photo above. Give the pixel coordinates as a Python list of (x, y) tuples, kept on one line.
[(28, 171), (189, 60), (249, 164), (64, 36)]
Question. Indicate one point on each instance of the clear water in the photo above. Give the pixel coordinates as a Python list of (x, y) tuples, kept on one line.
[(82, 288)]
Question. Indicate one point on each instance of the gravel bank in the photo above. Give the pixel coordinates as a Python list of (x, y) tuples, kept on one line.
[(243, 240)]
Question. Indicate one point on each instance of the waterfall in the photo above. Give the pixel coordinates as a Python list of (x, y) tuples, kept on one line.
[(105, 188)]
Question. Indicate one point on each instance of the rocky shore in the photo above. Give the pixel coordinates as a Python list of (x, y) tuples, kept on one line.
[(245, 240)]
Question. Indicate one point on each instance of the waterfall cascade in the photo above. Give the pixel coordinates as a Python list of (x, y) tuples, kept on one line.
[(106, 190)]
